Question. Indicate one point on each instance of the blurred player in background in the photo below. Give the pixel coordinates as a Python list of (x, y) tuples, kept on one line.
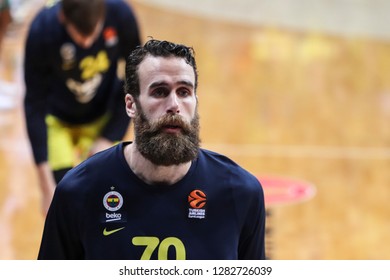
[(74, 96)]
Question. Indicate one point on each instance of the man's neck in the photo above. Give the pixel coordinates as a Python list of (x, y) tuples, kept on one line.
[(153, 174)]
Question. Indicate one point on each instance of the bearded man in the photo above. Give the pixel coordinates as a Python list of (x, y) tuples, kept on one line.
[(160, 196)]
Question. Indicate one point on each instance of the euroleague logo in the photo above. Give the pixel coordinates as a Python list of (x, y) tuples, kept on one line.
[(197, 203), (110, 36), (197, 199)]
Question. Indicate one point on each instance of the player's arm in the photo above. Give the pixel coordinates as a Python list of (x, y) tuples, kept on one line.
[(60, 239), (128, 29), (252, 240), (37, 76), (129, 38), (47, 185)]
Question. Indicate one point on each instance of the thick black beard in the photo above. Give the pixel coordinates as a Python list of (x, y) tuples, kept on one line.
[(167, 149)]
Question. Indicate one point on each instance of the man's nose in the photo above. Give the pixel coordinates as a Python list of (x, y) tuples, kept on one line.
[(173, 104)]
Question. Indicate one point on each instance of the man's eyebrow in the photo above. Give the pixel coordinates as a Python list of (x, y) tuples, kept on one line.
[(186, 83), (162, 83)]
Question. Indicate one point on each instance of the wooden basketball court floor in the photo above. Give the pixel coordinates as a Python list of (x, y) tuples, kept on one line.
[(300, 105)]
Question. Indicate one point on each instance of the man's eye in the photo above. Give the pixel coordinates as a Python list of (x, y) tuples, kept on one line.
[(184, 92), (160, 92)]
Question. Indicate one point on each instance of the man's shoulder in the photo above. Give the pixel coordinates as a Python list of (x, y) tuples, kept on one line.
[(104, 159), (226, 170), (48, 12), (220, 161), (46, 21), (93, 169), (217, 158), (117, 5), (212, 154), (119, 11)]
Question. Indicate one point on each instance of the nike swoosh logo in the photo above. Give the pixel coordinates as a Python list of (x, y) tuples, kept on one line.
[(109, 232)]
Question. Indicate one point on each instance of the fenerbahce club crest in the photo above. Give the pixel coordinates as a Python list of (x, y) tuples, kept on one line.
[(113, 201), (197, 205)]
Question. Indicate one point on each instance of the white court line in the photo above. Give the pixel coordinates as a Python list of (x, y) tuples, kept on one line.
[(300, 151)]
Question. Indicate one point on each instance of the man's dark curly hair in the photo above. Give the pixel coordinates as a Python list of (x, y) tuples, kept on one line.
[(155, 48)]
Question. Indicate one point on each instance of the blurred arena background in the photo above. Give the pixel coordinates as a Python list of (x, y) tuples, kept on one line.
[(295, 90)]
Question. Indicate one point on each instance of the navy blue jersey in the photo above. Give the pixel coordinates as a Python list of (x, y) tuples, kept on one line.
[(102, 210), (74, 84)]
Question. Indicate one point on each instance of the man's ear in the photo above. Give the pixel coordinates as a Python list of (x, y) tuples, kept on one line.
[(131, 107)]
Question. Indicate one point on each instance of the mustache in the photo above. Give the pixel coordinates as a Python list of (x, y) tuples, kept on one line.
[(168, 120)]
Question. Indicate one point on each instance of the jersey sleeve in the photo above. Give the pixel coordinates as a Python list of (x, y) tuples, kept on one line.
[(60, 238), (37, 75), (252, 239), (129, 39)]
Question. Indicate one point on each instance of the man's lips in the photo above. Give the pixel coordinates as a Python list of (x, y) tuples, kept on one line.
[(172, 128)]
